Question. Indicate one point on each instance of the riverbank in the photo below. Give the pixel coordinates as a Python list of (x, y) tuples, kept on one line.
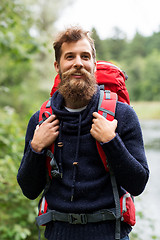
[(147, 110), (147, 204)]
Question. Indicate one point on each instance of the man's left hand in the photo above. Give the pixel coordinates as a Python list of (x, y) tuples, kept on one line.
[(102, 129)]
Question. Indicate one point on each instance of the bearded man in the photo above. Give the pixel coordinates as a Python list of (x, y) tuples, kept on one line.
[(84, 188)]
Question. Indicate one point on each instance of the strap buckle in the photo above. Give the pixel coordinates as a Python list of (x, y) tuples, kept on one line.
[(77, 218)]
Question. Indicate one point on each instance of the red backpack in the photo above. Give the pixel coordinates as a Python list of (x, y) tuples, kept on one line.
[(113, 81)]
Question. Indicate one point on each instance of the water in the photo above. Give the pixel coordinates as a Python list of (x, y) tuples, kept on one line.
[(148, 203)]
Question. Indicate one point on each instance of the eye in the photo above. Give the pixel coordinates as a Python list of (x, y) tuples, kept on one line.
[(86, 56), (69, 57)]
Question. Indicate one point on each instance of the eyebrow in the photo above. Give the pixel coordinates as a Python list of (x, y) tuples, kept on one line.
[(67, 53), (86, 53)]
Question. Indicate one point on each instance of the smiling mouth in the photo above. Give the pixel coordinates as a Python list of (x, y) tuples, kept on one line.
[(77, 75)]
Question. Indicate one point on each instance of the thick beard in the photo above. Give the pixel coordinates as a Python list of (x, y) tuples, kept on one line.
[(77, 91)]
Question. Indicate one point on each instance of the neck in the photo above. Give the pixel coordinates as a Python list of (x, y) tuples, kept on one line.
[(75, 105)]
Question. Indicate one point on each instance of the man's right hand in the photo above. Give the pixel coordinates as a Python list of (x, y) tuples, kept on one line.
[(45, 134)]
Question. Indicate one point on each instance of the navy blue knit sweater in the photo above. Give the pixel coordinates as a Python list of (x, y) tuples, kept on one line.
[(89, 184)]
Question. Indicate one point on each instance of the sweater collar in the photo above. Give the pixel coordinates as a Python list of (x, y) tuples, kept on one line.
[(71, 119)]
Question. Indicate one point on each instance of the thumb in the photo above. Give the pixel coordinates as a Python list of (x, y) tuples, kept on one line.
[(37, 127), (115, 122)]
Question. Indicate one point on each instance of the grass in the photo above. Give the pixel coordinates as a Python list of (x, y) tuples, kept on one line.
[(147, 110)]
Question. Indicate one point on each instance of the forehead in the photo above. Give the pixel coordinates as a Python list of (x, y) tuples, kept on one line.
[(79, 46)]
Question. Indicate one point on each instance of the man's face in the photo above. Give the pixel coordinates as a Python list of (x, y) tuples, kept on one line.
[(76, 69), (76, 55)]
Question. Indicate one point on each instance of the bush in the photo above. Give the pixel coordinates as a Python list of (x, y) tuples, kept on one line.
[(17, 212)]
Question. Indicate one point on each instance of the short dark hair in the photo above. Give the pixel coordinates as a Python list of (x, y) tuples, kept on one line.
[(72, 34)]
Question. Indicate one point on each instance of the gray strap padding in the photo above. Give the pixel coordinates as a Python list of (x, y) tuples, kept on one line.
[(106, 111), (108, 94), (49, 103), (100, 99)]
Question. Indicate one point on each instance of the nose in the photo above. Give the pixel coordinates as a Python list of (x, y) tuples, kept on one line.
[(78, 64)]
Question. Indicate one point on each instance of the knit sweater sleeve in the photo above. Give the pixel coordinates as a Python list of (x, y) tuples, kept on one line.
[(32, 174), (125, 153)]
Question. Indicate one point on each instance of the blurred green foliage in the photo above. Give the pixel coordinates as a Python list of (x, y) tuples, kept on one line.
[(17, 212), (17, 50)]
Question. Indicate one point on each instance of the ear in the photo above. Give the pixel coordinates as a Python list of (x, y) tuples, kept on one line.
[(95, 66), (56, 66)]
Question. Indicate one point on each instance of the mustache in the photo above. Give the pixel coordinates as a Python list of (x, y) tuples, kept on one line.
[(70, 72)]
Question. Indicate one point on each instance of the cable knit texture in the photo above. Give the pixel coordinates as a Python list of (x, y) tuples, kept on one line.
[(85, 186)]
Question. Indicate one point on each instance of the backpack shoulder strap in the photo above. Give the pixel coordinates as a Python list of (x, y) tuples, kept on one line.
[(45, 111), (51, 164), (106, 107), (107, 104)]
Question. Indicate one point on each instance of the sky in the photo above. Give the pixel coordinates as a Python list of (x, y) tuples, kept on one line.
[(129, 16)]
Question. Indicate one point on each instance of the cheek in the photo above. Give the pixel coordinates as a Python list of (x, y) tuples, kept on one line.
[(90, 68), (66, 66)]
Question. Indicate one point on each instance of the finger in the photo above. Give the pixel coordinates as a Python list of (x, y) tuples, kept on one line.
[(91, 130), (37, 127), (94, 120), (56, 128), (96, 114), (50, 118), (56, 134), (54, 123), (115, 122)]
